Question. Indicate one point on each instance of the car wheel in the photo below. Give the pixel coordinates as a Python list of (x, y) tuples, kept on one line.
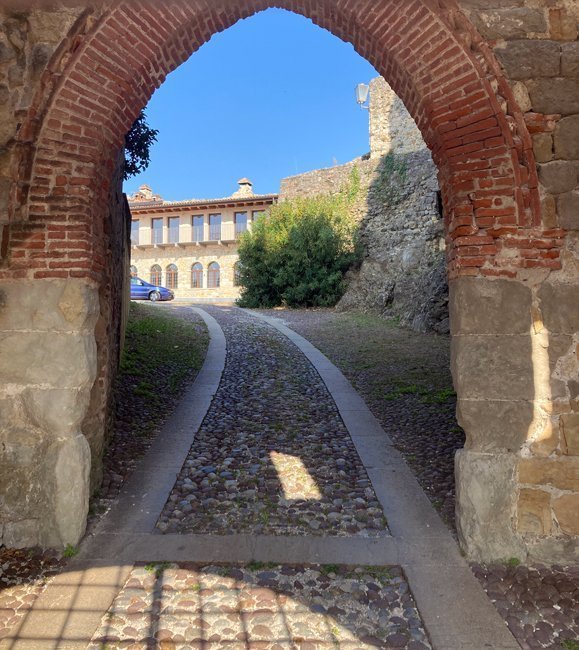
[(154, 296)]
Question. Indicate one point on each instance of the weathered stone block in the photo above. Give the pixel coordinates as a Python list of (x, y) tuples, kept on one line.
[(21, 534), (560, 307), (568, 209), (562, 473), (559, 176), (566, 138), (553, 550), (520, 366), (556, 95), (59, 411), (566, 510), (570, 59), (547, 439), (71, 462), (521, 95), (549, 212), (23, 489), (570, 431), (514, 22), (494, 425), (49, 359), (526, 59), (50, 26), (486, 505), (543, 147), (562, 24), (534, 515), (481, 306), (505, 359), (61, 305)]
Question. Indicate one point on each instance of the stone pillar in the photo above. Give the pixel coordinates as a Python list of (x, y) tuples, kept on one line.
[(513, 360), (48, 365)]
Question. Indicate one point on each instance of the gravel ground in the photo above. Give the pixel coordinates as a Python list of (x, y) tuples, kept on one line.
[(404, 377), (23, 577), (539, 604), (273, 455), (267, 607)]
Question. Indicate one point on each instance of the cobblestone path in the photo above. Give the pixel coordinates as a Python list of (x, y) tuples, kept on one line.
[(263, 607), (404, 377), (273, 455), (272, 459)]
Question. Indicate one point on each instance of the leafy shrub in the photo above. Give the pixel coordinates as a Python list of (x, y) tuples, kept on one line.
[(298, 253)]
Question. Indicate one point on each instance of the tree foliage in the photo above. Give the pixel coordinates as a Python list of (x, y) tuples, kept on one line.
[(138, 143), (298, 253)]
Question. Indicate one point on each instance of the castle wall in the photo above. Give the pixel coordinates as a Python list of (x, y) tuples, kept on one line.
[(403, 273)]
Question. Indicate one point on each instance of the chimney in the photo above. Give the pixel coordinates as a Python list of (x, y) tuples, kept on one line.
[(245, 187)]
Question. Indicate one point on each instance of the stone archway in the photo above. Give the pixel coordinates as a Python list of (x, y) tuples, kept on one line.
[(61, 249)]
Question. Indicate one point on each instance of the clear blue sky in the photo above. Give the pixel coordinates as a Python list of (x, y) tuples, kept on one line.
[(270, 97)]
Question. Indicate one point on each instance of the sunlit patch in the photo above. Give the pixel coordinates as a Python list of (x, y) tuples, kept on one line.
[(541, 428), (296, 481), (262, 605)]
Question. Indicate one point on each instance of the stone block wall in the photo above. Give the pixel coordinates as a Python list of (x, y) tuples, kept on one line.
[(391, 127), (109, 329), (533, 320), (403, 273), (60, 333)]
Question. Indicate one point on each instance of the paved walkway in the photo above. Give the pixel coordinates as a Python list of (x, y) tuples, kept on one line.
[(289, 508)]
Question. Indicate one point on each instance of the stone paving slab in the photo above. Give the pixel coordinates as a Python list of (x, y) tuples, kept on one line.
[(263, 606), (66, 614), (243, 548)]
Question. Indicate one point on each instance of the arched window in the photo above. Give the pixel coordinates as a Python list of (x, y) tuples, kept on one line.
[(197, 276), (213, 276), (237, 274), (134, 271), (172, 276), (156, 274)]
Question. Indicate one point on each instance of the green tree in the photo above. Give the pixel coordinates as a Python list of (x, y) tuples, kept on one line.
[(298, 253), (138, 143)]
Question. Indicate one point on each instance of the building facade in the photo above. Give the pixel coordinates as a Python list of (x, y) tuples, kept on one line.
[(191, 247)]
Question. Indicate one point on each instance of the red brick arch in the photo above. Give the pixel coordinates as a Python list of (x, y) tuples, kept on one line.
[(426, 49)]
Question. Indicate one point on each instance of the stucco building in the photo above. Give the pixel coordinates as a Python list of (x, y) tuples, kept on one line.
[(191, 246)]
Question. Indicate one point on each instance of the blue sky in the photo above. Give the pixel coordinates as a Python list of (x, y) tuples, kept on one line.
[(270, 97)]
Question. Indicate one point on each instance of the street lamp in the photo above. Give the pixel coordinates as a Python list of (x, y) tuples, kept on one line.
[(362, 92)]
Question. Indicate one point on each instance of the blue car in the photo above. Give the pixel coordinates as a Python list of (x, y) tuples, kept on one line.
[(141, 290)]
